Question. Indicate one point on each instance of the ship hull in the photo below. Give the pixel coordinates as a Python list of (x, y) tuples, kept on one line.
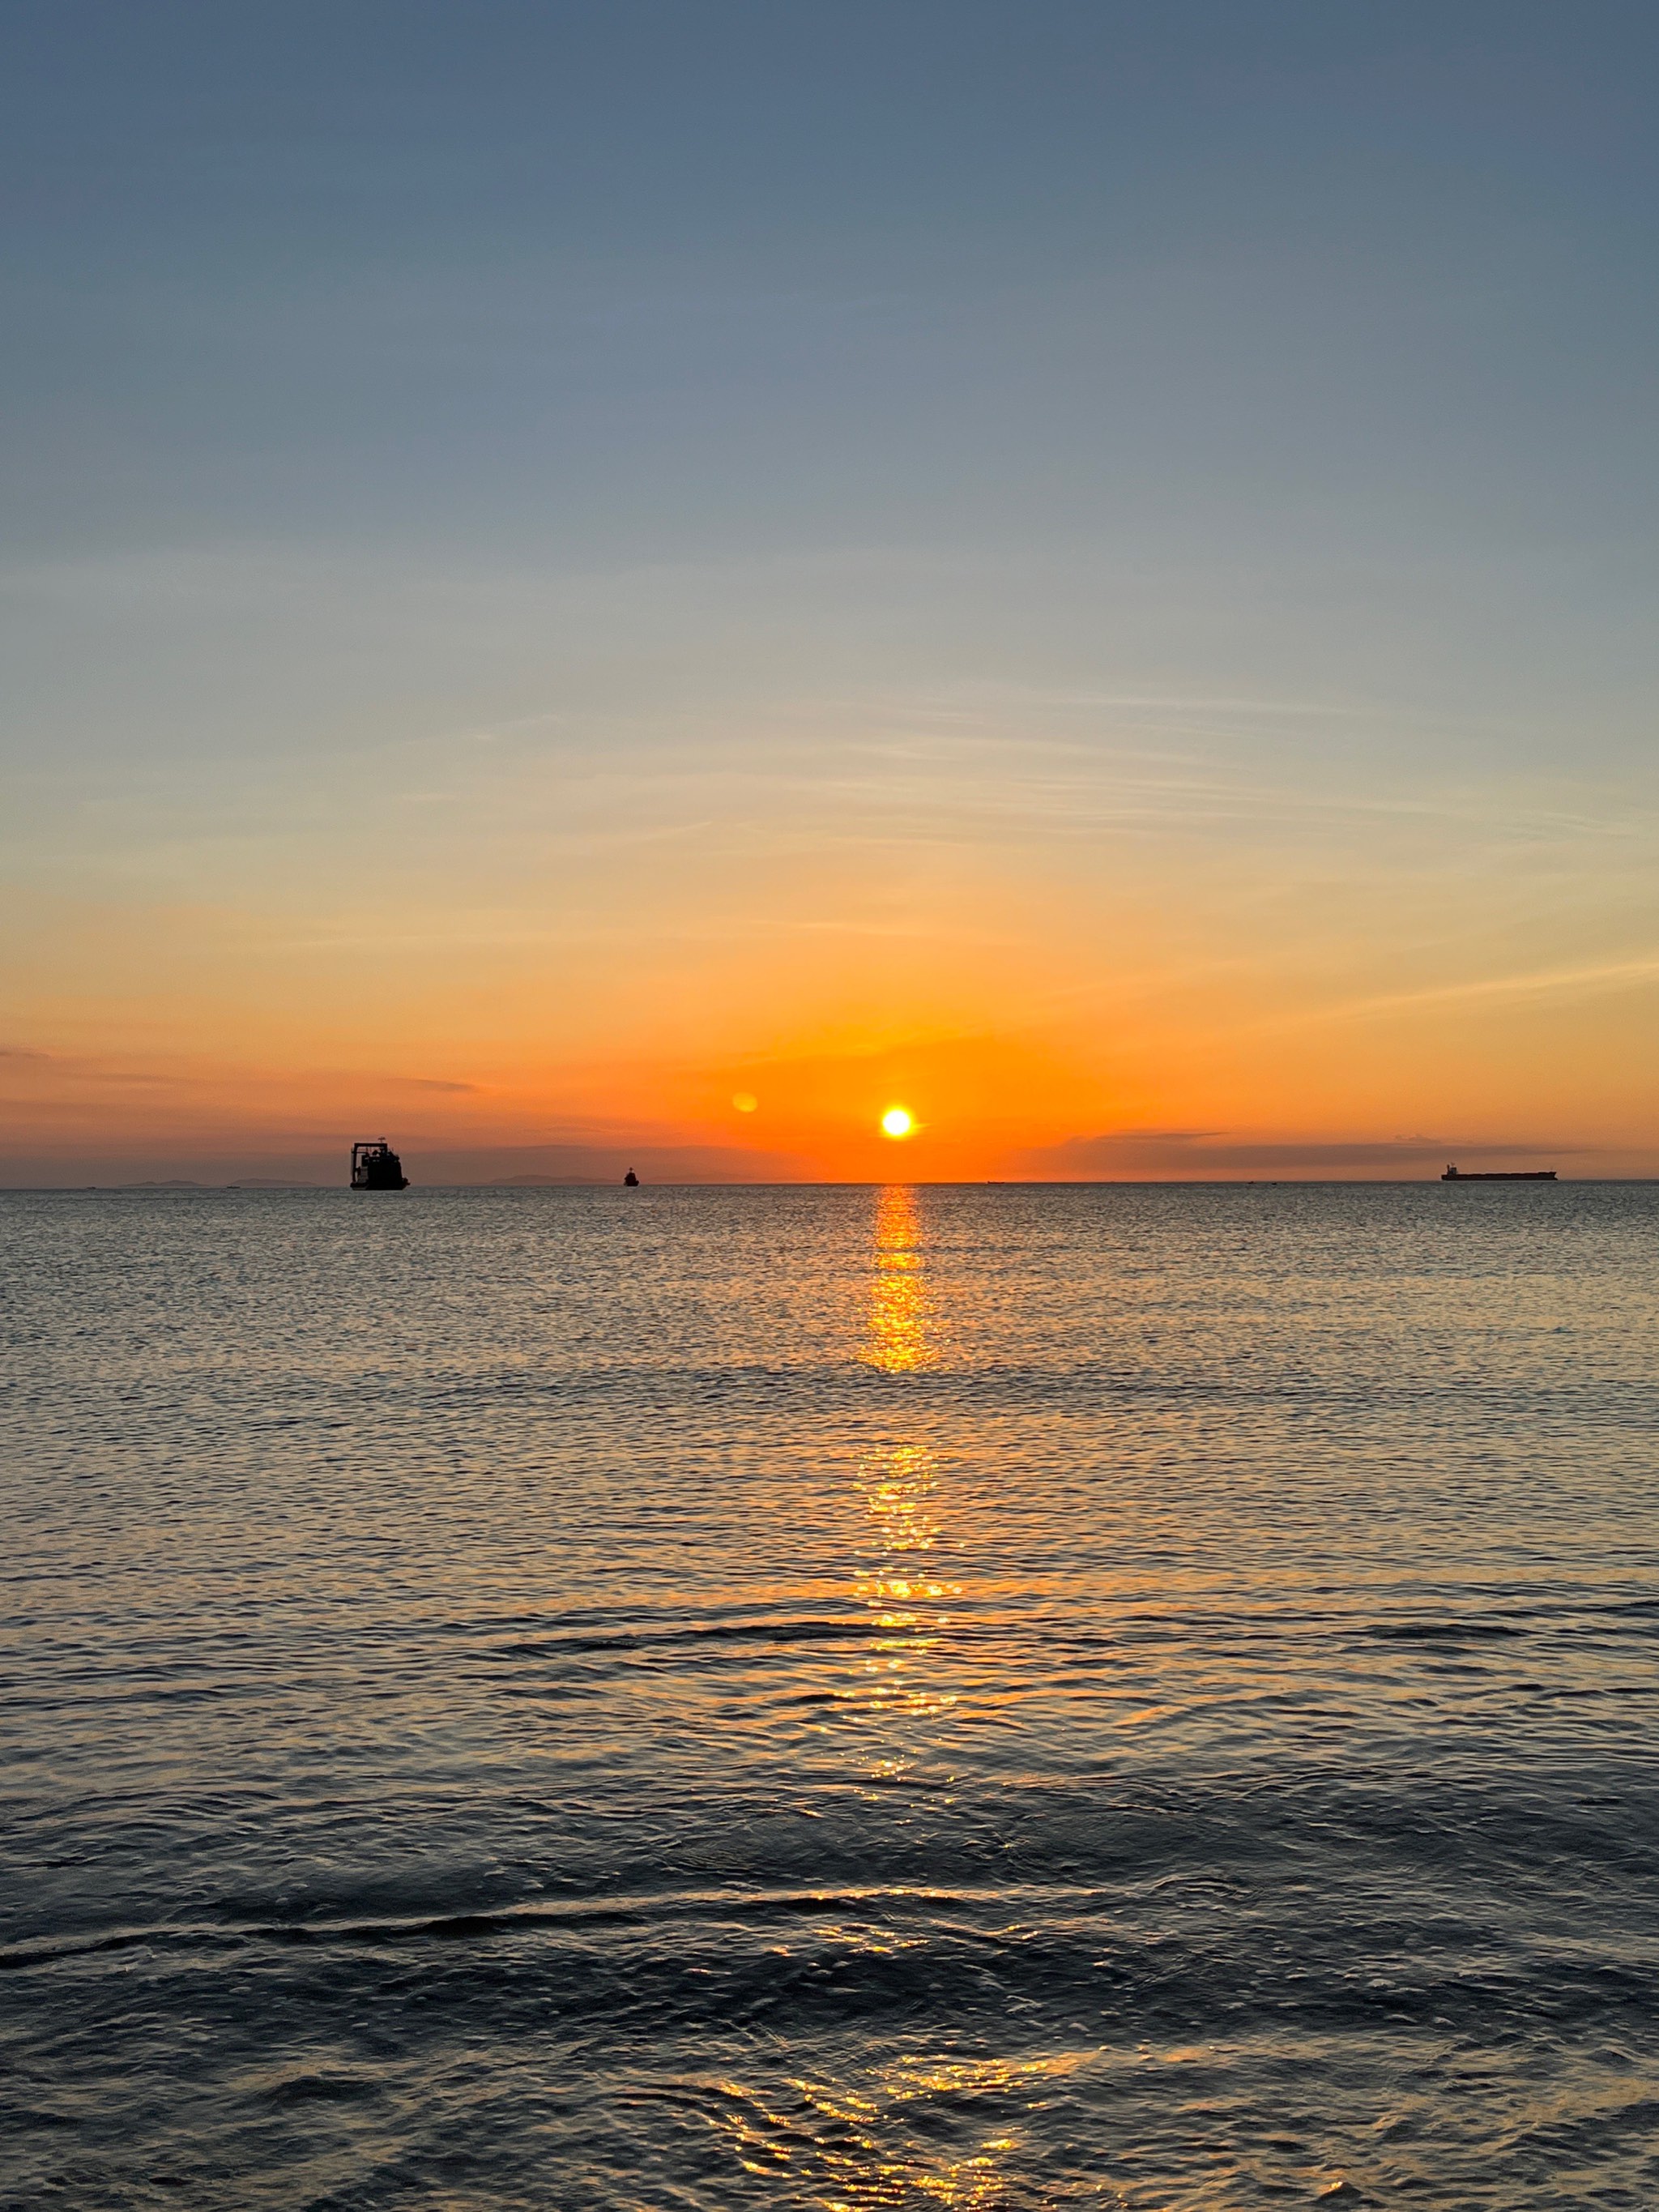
[(1518, 1174)]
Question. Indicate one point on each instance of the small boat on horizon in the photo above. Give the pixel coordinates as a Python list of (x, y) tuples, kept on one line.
[(376, 1167), (1500, 1175), (630, 1181)]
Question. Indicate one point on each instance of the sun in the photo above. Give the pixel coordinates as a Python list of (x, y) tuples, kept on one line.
[(897, 1122)]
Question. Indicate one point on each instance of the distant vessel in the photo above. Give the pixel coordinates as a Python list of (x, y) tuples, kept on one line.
[(1501, 1175), (630, 1181), (377, 1167)]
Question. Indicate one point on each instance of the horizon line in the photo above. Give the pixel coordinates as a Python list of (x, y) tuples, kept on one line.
[(274, 1187)]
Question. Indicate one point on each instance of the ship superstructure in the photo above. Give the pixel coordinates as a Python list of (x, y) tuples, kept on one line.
[(375, 1166)]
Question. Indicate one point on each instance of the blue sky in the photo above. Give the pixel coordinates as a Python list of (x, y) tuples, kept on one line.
[(983, 453)]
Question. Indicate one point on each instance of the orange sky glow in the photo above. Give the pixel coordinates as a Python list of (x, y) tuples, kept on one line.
[(1169, 1019)]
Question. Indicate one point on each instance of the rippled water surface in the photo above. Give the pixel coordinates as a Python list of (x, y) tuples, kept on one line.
[(835, 1698)]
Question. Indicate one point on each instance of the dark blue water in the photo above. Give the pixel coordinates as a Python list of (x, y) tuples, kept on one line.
[(703, 1699)]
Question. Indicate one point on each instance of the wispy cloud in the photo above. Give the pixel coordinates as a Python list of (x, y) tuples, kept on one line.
[(1598, 975)]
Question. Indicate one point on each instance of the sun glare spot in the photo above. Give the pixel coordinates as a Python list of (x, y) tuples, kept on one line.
[(744, 1101), (897, 1122)]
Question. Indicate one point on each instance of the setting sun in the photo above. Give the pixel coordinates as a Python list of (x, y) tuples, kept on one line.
[(897, 1122)]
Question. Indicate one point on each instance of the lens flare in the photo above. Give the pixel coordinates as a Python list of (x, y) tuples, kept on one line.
[(897, 1122)]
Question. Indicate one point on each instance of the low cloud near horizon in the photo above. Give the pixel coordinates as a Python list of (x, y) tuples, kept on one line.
[(1196, 1154), (526, 1165)]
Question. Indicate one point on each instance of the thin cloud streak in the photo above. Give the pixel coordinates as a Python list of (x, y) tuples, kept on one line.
[(1607, 975)]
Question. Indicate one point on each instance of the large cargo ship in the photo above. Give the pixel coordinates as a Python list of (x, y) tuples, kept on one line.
[(1501, 1175), (377, 1167)]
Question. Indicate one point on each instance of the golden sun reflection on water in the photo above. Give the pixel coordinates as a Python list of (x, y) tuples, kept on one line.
[(903, 1592), (895, 1485), (848, 2144), (897, 1318)]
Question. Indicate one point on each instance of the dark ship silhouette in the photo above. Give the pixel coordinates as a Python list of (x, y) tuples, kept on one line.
[(630, 1181), (1501, 1175), (377, 1167)]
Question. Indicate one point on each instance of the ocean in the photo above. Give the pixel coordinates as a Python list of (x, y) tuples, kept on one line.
[(998, 1697)]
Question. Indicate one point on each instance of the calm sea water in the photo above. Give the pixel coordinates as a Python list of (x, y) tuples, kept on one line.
[(836, 1699)]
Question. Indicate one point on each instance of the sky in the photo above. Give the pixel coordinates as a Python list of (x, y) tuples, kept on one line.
[(638, 583)]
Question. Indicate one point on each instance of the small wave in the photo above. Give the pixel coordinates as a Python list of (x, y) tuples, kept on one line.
[(319, 2089), (1442, 1632), (852, 1629), (751, 1906)]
